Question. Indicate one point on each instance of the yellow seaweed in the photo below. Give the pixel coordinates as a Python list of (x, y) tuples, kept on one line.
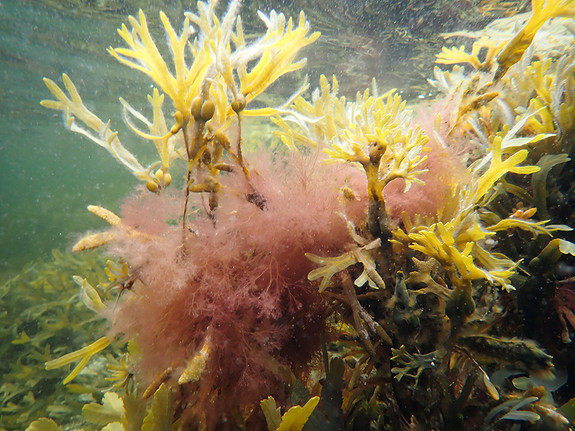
[(277, 58), (90, 296), (333, 265), (99, 132), (499, 167), (292, 420), (196, 365), (83, 355), (92, 241), (542, 10), (102, 238), (144, 56), (458, 55)]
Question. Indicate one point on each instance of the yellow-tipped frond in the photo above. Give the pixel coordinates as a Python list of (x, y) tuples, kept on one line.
[(99, 132), (542, 10), (458, 55), (282, 43), (83, 355), (499, 167)]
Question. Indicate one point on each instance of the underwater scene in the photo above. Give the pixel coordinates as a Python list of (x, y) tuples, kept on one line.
[(273, 215)]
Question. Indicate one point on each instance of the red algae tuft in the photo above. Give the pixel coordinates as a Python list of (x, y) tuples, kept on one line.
[(239, 284)]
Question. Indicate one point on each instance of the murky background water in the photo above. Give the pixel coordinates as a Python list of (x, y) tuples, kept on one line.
[(49, 175)]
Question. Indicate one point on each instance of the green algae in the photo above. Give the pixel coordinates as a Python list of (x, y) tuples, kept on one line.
[(41, 317)]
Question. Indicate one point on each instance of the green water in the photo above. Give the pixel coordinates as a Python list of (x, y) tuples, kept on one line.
[(49, 175)]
